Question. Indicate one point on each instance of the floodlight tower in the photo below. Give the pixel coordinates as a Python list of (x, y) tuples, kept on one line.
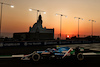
[(78, 24), (92, 27), (1, 13), (37, 11), (60, 21)]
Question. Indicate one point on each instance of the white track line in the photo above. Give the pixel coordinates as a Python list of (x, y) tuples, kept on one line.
[(5, 56), (12, 56), (91, 53), (17, 55)]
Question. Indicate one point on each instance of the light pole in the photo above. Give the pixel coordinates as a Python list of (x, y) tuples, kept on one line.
[(92, 27), (37, 11), (60, 21), (1, 13), (78, 24)]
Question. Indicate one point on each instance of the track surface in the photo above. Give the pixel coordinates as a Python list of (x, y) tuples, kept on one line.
[(30, 49), (90, 61)]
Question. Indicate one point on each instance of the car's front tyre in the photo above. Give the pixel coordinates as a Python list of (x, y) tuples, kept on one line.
[(36, 57), (80, 56)]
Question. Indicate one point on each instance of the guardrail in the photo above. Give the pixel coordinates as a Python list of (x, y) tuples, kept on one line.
[(60, 42)]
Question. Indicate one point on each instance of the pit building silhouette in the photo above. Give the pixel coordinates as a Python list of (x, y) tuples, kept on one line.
[(37, 32)]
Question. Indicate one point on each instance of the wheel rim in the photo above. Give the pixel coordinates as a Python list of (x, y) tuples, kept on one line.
[(36, 57), (80, 56)]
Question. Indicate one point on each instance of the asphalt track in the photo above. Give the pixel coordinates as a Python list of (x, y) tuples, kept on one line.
[(89, 61), (30, 49)]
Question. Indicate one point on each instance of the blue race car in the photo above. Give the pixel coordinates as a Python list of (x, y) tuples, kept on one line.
[(57, 53)]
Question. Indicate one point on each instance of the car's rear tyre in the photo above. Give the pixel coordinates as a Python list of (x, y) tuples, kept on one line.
[(80, 56), (36, 57)]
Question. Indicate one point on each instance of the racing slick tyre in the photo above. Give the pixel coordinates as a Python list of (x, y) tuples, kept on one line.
[(34, 52), (36, 57), (80, 56)]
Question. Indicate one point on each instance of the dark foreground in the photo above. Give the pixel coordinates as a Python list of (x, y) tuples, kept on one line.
[(90, 61)]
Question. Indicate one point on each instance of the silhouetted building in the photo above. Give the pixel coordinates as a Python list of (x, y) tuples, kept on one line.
[(37, 32)]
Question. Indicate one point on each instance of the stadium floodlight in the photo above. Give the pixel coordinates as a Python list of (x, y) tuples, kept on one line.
[(78, 24), (44, 12), (37, 11), (30, 9), (60, 21), (12, 6), (92, 27)]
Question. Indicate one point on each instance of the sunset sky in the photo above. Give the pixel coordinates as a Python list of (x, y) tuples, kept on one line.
[(19, 19)]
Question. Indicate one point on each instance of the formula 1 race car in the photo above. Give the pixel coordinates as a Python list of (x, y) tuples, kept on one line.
[(57, 53)]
